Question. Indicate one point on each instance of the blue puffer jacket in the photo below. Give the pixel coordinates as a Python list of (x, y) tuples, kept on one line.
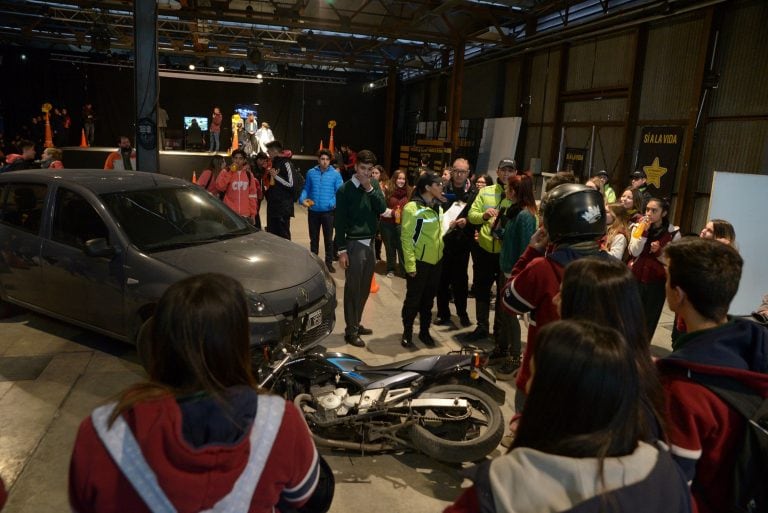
[(321, 187)]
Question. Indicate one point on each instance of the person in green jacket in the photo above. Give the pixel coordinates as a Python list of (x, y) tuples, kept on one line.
[(422, 242), (488, 212)]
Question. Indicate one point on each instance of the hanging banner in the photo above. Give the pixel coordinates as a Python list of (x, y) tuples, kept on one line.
[(575, 159), (657, 156)]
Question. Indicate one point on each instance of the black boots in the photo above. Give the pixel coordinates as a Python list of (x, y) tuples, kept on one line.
[(426, 338), (407, 339)]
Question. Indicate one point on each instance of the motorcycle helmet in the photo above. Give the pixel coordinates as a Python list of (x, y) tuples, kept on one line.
[(573, 212)]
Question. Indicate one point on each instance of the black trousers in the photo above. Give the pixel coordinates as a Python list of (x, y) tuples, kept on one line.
[(324, 220), (652, 295), (486, 273), (420, 294), (454, 281), (357, 284), (280, 226)]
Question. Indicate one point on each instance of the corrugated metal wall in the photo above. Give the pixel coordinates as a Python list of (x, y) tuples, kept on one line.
[(612, 109), (670, 63), (545, 70), (605, 62), (742, 62), (512, 100), (481, 87), (544, 78), (734, 129), (736, 146), (735, 136)]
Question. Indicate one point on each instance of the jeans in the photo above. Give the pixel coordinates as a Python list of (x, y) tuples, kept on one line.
[(214, 141), (322, 220), (390, 235)]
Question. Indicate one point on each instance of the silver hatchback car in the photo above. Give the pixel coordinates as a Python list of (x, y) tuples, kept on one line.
[(98, 248)]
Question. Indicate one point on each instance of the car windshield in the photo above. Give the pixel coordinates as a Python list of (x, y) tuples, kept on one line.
[(167, 218)]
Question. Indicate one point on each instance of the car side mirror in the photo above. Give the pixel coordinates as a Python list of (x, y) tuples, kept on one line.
[(99, 248)]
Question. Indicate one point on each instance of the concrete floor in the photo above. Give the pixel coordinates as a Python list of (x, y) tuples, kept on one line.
[(52, 375)]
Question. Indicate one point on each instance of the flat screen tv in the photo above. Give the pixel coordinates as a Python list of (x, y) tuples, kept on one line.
[(246, 108), (202, 122)]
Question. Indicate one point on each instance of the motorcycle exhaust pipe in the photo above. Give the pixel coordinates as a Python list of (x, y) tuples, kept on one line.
[(352, 446)]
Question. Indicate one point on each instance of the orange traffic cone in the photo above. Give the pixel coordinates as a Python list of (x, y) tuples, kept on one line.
[(374, 285), (83, 142), (235, 143), (194, 177), (321, 145)]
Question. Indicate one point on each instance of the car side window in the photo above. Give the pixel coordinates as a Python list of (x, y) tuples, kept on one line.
[(75, 221), (22, 205)]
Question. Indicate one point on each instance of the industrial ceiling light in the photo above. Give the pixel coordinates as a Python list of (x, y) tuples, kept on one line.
[(259, 76), (221, 69), (191, 67)]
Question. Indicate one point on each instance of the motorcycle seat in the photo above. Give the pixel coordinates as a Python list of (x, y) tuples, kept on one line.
[(417, 364)]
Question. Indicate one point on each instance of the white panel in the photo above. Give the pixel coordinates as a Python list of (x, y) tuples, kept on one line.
[(739, 198), (499, 141)]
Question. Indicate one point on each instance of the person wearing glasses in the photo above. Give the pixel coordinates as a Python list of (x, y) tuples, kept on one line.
[(422, 242)]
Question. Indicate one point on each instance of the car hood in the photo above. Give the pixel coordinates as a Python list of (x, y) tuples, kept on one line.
[(260, 261)]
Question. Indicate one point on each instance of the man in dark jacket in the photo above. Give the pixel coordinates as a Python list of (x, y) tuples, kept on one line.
[(458, 241), (280, 193), (704, 431)]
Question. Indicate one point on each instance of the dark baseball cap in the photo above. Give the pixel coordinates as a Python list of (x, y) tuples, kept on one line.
[(507, 162), (602, 172), (639, 174)]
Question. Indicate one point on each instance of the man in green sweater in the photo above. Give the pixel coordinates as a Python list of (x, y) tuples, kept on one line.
[(359, 202)]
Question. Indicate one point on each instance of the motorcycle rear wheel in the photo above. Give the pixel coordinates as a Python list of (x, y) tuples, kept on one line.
[(465, 440)]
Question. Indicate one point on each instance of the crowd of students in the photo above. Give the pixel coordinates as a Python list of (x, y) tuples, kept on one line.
[(601, 425)]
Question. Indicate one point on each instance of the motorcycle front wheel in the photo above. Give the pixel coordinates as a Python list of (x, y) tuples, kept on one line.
[(459, 439)]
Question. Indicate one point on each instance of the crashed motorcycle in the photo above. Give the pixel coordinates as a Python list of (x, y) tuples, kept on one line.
[(446, 406)]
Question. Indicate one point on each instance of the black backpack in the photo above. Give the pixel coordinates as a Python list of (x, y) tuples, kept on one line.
[(750, 474)]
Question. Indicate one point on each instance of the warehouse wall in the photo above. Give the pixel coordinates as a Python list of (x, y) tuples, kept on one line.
[(651, 74)]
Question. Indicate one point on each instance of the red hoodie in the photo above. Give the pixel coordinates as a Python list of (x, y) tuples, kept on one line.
[(240, 190), (193, 478)]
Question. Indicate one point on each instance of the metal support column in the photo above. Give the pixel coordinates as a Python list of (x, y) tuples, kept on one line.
[(457, 83), (389, 123), (146, 85)]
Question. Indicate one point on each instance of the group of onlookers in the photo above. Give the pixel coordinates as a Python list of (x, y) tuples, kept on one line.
[(601, 426)]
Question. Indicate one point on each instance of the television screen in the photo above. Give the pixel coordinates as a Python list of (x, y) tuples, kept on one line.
[(202, 121), (246, 108)]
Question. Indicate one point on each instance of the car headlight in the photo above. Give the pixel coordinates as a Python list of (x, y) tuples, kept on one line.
[(257, 305), (330, 285)]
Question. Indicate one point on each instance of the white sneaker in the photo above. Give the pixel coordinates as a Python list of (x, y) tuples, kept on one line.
[(390, 274)]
